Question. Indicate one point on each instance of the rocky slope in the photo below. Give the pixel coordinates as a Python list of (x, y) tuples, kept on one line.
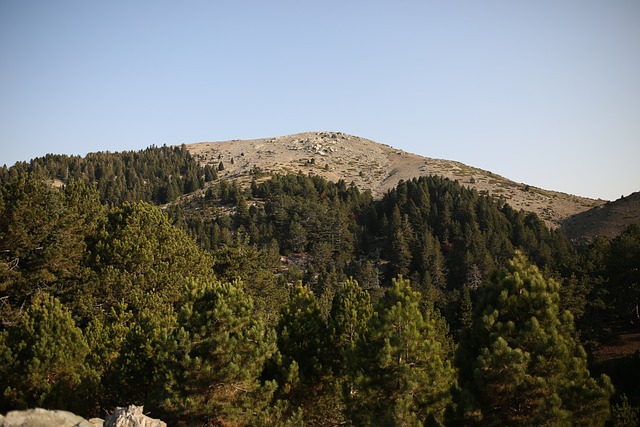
[(374, 166), (606, 220)]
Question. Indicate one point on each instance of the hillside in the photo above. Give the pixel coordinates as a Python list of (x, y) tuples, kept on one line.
[(161, 284), (374, 166), (606, 220)]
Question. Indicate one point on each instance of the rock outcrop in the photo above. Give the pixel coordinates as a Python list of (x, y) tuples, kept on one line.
[(131, 416), (39, 417)]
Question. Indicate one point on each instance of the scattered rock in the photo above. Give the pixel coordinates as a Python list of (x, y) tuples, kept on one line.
[(347, 155)]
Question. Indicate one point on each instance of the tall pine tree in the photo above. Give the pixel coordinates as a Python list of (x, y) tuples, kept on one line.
[(216, 355), (404, 376), (521, 363)]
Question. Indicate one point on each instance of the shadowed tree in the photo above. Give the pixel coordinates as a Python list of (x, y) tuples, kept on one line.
[(42, 241), (521, 364), (623, 267)]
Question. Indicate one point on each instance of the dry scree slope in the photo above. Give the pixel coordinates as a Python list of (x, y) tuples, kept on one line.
[(374, 166)]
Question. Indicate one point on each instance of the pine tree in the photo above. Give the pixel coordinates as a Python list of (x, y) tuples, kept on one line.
[(216, 355), (521, 363), (465, 311), (403, 375), (400, 243), (42, 359), (348, 319), (350, 313), (139, 371), (301, 333), (306, 378), (623, 267), (41, 243), (138, 251)]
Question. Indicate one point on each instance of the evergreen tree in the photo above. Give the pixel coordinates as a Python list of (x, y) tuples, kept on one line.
[(399, 243), (350, 313), (310, 385), (403, 375), (521, 364), (137, 251), (42, 359), (42, 243), (210, 173), (138, 372), (623, 267), (624, 415), (255, 268), (465, 312), (216, 355), (105, 336), (301, 333)]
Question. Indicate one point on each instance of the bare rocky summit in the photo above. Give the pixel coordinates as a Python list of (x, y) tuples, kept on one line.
[(376, 167)]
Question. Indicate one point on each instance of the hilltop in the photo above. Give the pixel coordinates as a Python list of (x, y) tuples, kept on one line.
[(606, 220), (377, 167)]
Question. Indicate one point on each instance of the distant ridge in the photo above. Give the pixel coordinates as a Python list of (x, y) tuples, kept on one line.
[(376, 167), (606, 220)]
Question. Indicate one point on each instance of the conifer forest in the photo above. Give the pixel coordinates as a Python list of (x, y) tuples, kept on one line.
[(144, 278)]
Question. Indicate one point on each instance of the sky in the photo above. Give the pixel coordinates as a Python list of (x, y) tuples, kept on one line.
[(543, 92)]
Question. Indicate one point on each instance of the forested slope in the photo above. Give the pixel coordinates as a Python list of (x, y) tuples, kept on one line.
[(375, 167), (296, 300)]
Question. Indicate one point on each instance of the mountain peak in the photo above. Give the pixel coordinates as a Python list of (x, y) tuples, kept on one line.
[(375, 167)]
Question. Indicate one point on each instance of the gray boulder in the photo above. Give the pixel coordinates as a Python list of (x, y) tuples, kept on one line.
[(131, 416), (39, 417)]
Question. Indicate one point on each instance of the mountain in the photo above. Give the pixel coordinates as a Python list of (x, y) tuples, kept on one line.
[(377, 167), (607, 220)]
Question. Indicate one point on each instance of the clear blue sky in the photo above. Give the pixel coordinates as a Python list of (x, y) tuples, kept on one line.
[(543, 92)]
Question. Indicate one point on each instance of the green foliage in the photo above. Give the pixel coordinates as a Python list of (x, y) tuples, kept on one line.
[(42, 359), (216, 355), (255, 267), (623, 266), (42, 241), (301, 333), (403, 375), (140, 369), (116, 268), (105, 336), (137, 251), (155, 175), (351, 311), (305, 360), (521, 363), (624, 415)]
